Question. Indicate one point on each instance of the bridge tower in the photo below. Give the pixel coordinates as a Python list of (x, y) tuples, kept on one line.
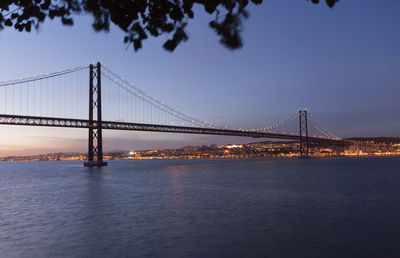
[(95, 150), (303, 133)]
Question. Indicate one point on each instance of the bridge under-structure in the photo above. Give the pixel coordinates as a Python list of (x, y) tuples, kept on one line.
[(95, 124)]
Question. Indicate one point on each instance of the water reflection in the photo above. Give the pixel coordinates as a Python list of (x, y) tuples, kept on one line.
[(270, 208)]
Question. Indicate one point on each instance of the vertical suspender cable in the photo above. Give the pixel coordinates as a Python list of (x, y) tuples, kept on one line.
[(46, 90), (27, 98), (41, 98), (5, 102), (13, 100), (34, 98), (143, 121), (20, 100)]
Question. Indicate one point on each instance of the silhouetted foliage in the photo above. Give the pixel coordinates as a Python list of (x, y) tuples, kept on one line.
[(139, 19)]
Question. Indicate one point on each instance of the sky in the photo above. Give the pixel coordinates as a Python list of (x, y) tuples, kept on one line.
[(342, 64)]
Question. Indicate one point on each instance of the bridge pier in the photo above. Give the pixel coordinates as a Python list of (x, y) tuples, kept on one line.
[(95, 142), (95, 163)]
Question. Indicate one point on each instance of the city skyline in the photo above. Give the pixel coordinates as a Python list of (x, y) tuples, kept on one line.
[(254, 149), (269, 78)]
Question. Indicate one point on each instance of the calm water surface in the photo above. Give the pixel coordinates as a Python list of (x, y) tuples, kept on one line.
[(339, 207)]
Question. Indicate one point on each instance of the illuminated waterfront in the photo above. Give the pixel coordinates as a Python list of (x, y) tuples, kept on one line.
[(232, 151)]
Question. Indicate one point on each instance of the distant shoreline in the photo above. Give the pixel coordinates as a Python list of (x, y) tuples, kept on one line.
[(217, 158), (262, 149)]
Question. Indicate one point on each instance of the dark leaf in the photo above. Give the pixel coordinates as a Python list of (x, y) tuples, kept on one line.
[(169, 27), (8, 23), (170, 45), (211, 5), (67, 21), (28, 26), (137, 44), (257, 1), (331, 3)]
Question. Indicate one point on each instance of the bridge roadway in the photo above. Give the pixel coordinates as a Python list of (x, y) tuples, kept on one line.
[(82, 123)]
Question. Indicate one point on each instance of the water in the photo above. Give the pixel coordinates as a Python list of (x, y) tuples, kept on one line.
[(339, 207)]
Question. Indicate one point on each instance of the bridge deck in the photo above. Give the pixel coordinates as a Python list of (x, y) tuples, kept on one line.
[(82, 123)]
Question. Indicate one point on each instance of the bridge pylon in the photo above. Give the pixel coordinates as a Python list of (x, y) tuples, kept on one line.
[(95, 148), (303, 133)]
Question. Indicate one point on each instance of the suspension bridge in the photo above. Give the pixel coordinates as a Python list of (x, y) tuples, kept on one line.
[(96, 98)]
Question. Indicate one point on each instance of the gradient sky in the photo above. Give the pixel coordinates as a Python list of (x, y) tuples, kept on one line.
[(343, 64)]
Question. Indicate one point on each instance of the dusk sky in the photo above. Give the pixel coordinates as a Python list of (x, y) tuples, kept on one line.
[(343, 64)]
